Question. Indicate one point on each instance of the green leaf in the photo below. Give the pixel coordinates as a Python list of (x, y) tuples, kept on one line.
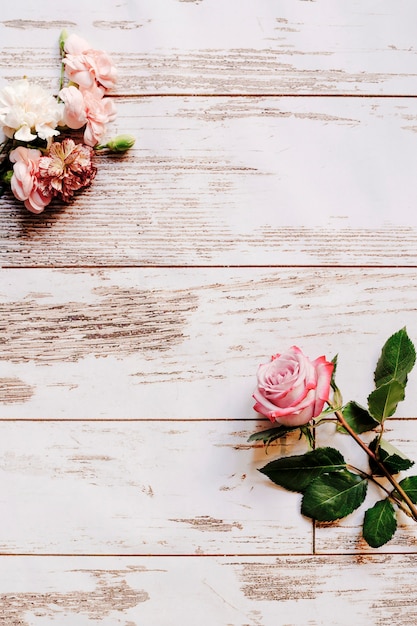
[(397, 359), (409, 484), (296, 472), (393, 459), (380, 523), (271, 434), (332, 496), (382, 402), (358, 419)]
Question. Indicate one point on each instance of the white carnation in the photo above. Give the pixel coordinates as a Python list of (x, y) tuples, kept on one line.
[(27, 111)]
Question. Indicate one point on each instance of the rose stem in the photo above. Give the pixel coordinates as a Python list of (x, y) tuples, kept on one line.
[(380, 465), (397, 501)]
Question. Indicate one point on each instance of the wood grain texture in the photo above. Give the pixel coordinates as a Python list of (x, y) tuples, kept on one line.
[(251, 591), (141, 488), (241, 181), (287, 47), (146, 488), (171, 343), (133, 320)]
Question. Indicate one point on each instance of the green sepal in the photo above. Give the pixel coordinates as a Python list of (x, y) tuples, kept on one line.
[(392, 458), (121, 143), (308, 433), (337, 395), (358, 419), (333, 496), (380, 523), (295, 473), (397, 359)]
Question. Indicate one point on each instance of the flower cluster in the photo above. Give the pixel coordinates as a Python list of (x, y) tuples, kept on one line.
[(300, 395), (39, 163)]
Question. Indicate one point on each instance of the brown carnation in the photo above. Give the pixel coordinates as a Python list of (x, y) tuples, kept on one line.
[(67, 168)]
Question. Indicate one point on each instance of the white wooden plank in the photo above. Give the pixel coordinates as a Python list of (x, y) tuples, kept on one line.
[(345, 535), (140, 488), (172, 46), (186, 343), (239, 181), (265, 591)]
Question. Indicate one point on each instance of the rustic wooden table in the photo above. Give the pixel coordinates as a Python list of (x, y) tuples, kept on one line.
[(270, 199)]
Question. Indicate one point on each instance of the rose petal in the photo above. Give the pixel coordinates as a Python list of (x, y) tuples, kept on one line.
[(292, 389)]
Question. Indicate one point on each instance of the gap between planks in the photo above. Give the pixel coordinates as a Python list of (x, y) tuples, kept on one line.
[(324, 556), (262, 95), (208, 266)]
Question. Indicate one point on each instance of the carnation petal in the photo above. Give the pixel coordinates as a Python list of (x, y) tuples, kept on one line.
[(27, 106), (74, 44), (67, 168), (24, 134)]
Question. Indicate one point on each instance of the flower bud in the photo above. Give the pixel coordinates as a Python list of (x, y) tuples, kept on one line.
[(121, 143), (62, 39)]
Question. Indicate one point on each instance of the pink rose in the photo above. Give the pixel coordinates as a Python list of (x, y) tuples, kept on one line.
[(25, 179), (87, 107), (292, 389), (86, 66)]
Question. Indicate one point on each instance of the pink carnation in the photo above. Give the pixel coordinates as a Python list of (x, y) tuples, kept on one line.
[(87, 107), (86, 66), (25, 180)]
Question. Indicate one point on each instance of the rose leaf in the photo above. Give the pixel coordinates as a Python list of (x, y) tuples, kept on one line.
[(397, 359), (296, 472), (383, 401), (393, 459), (380, 523), (269, 435), (333, 496), (358, 419)]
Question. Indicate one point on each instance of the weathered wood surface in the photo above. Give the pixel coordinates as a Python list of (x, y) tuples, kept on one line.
[(157, 488), (241, 181), (238, 46), (186, 343), (149, 488), (268, 134), (234, 591)]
